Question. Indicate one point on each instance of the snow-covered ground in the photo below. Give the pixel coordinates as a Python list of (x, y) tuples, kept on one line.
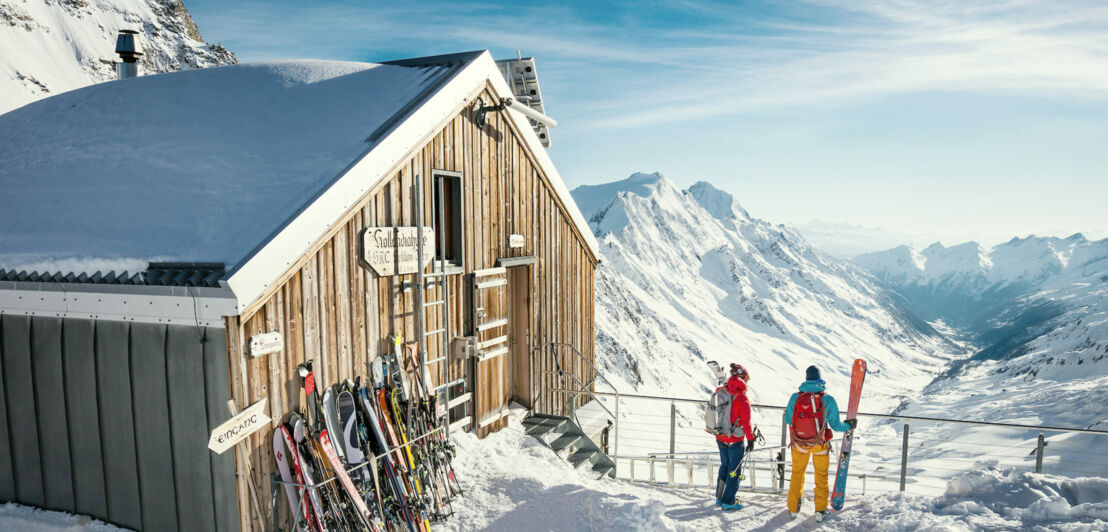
[(513, 482), (19, 518)]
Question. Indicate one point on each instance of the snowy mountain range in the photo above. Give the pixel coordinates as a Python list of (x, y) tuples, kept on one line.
[(688, 276), (1017, 333), (48, 47), (1037, 311)]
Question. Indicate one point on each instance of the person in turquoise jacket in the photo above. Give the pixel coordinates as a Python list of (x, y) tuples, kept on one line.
[(817, 450)]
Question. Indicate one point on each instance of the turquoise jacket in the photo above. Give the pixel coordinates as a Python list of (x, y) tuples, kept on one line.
[(830, 407)]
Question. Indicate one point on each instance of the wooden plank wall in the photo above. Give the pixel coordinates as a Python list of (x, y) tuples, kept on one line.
[(332, 309)]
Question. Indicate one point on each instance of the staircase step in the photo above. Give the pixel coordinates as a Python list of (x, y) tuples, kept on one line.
[(538, 426), (566, 440), (582, 458), (605, 469)]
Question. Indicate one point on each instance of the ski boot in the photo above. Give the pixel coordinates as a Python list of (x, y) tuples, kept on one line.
[(719, 502), (729, 507), (821, 515)]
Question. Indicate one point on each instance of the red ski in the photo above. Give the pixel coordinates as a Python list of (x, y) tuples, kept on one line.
[(289, 466), (344, 479), (838, 495)]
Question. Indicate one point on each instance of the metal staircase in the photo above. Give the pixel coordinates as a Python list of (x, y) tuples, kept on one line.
[(566, 439)]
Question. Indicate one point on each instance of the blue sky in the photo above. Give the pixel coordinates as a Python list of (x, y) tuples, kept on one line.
[(941, 120)]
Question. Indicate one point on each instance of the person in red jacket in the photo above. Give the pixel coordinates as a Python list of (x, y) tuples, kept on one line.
[(731, 448)]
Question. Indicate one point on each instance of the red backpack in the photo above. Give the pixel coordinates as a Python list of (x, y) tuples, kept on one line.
[(809, 420)]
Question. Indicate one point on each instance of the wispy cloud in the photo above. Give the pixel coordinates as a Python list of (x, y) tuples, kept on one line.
[(649, 68)]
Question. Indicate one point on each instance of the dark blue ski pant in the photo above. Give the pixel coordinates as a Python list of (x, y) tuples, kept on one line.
[(730, 456)]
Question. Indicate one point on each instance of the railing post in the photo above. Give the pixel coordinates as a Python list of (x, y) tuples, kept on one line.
[(650, 462), (753, 472), (1039, 454), (784, 433), (616, 444), (904, 460), (672, 427), (672, 473), (688, 460), (632, 469)]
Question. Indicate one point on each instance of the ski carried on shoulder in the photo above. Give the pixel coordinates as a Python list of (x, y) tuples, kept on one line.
[(857, 375)]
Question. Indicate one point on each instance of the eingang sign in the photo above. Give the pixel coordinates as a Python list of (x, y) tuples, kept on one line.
[(238, 427)]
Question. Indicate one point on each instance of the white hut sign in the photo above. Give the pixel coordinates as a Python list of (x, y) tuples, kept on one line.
[(394, 250)]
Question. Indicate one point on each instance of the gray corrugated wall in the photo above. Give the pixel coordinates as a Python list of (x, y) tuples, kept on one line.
[(111, 419)]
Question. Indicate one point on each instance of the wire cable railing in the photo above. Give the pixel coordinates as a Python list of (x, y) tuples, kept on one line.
[(674, 450)]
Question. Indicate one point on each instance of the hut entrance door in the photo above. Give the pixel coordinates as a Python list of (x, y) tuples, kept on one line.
[(519, 334), (491, 367)]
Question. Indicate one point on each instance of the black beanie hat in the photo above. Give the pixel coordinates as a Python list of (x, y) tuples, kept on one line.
[(812, 373)]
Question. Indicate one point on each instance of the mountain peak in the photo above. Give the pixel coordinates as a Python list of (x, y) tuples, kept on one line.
[(593, 198), (718, 203)]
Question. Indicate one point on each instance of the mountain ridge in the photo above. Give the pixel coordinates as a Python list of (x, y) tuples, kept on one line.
[(53, 47), (688, 276)]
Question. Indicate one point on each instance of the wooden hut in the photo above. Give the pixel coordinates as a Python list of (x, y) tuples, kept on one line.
[(267, 198)]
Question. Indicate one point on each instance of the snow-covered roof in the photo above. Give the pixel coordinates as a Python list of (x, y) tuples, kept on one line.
[(245, 165)]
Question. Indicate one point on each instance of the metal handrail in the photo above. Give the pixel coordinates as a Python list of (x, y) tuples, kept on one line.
[(585, 388), (867, 414)]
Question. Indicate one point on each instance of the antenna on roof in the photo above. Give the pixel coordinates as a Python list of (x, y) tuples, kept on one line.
[(523, 79)]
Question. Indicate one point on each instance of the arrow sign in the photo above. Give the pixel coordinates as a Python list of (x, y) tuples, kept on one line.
[(238, 427)]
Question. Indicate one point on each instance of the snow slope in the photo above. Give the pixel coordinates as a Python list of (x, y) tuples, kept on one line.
[(49, 47), (689, 276)]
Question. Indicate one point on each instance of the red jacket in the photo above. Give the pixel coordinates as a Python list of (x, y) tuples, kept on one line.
[(740, 410)]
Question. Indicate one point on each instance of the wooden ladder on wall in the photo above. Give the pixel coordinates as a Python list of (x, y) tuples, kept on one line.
[(440, 277)]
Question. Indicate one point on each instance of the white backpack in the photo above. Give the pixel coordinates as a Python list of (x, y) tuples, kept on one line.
[(717, 416)]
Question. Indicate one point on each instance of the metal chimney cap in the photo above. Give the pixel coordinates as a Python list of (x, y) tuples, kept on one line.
[(128, 45)]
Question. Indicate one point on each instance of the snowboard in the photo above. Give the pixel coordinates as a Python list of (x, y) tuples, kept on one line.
[(857, 375), (331, 418)]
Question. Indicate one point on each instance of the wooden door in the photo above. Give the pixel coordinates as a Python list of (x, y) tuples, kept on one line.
[(519, 334), (491, 368)]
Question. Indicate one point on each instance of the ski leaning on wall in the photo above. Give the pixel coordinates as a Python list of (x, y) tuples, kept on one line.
[(857, 375), (368, 457)]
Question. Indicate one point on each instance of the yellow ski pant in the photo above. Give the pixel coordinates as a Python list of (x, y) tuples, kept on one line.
[(820, 459)]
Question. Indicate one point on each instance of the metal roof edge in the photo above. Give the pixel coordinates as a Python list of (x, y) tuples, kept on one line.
[(176, 305)]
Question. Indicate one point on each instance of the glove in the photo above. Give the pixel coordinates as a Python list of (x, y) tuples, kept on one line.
[(852, 423), (749, 445)]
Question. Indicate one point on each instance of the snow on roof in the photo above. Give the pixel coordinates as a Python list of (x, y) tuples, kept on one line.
[(246, 165), (199, 165)]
